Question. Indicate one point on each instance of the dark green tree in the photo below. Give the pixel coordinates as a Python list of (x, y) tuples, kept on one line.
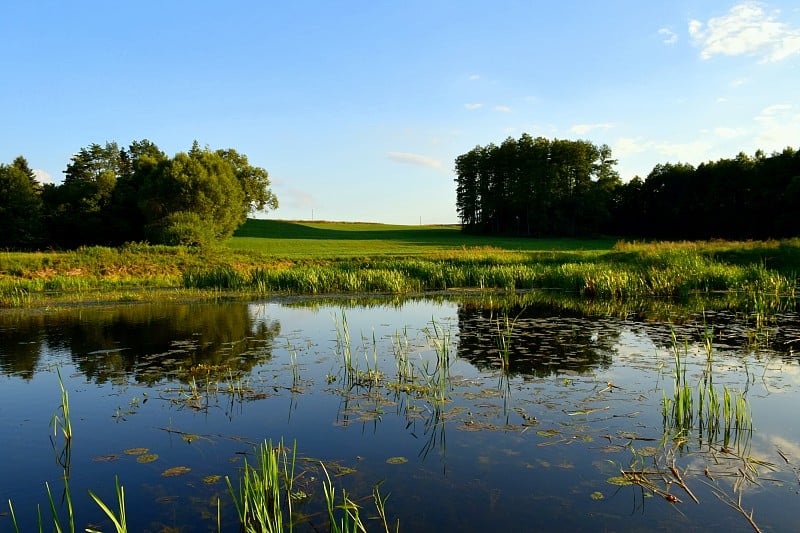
[(78, 209), (20, 206), (195, 198)]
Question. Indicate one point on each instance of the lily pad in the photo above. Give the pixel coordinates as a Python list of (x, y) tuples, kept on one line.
[(396, 460), (105, 458), (547, 433), (619, 481), (176, 471), (647, 451), (210, 480), (597, 495), (136, 451), (147, 458)]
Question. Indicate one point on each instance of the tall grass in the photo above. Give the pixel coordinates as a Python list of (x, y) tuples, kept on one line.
[(703, 407), (662, 273), (595, 271), (64, 420), (265, 490)]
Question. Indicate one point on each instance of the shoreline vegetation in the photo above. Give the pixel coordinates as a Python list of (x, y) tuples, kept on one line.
[(276, 258)]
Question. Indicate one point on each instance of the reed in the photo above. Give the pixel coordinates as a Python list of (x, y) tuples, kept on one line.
[(64, 421), (349, 520), (265, 490), (709, 411), (119, 519), (438, 377), (505, 330), (400, 345)]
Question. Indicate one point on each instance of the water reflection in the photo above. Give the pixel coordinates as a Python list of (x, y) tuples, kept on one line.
[(538, 344), (142, 342), (490, 445)]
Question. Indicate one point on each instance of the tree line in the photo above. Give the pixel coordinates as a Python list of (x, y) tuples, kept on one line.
[(112, 195), (544, 187)]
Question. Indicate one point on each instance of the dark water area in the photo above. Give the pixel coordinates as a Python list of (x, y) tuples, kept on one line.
[(472, 416)]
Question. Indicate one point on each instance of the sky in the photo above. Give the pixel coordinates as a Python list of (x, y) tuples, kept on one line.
[(358, 108)]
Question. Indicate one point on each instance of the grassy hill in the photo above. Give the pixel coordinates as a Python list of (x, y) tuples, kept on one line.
[(299, 239)]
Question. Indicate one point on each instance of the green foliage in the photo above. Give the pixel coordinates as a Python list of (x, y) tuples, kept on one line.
[(20, 206), (200, 182), (182, 228), (111, 195), (535, 187)]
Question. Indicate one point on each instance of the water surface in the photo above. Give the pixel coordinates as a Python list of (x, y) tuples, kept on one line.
[(460, 439)]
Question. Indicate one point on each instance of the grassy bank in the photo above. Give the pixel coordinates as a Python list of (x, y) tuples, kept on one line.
[(267, 257)]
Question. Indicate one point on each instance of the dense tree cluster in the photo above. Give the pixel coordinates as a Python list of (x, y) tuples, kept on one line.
[(112, 195), (536, 186), (741, 198), (545, 187)]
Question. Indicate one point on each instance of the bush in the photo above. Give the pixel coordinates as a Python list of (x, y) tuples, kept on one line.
[(182, 228)]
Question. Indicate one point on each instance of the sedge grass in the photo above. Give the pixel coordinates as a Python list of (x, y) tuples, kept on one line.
[(119, 519), (265, 490), (377, 258), (710, 412)]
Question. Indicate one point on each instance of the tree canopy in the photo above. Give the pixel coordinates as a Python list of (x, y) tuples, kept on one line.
[(111, 195), (556, 187), (535, 186)]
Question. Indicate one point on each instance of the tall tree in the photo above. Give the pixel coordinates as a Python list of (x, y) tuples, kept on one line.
[(77, 210), (195, 198), (20, 206)]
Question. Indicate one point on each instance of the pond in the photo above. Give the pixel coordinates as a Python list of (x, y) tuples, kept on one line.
[(470, 413)]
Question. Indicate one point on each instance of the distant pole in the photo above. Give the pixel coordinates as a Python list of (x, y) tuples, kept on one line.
[(420, 220), (312, 214)]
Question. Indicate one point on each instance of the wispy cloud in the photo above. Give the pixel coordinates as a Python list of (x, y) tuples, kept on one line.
[(729, 133), (694, 151), (42, 176), (416, 159), (628, 146), (502, 108), (668, 36), (779, 127), (583, 129), (690, 152), (473, 107), (745, 30), (292, 197), (474, 77)]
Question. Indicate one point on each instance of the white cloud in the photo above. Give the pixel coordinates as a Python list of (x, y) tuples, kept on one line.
[(689, 152), (582, 129), (42, 176), (628, 146), (474, 77), (738, 82), (416, 159), (746, 30), (502, 108), (473, 107), (669, 36), (729, 133), (779, 127), (291, 197)]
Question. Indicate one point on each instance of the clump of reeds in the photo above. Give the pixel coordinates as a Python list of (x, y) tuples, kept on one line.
[(709, 410), (118, 519), (265, 490)]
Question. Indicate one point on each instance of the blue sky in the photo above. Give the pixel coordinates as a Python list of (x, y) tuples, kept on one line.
[(358, 109)]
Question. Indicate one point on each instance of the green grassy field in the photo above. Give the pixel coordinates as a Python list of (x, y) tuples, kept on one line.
[(267, 257), (316, 240)]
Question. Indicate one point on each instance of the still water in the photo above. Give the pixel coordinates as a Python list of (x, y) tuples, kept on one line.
[(470, 415)]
